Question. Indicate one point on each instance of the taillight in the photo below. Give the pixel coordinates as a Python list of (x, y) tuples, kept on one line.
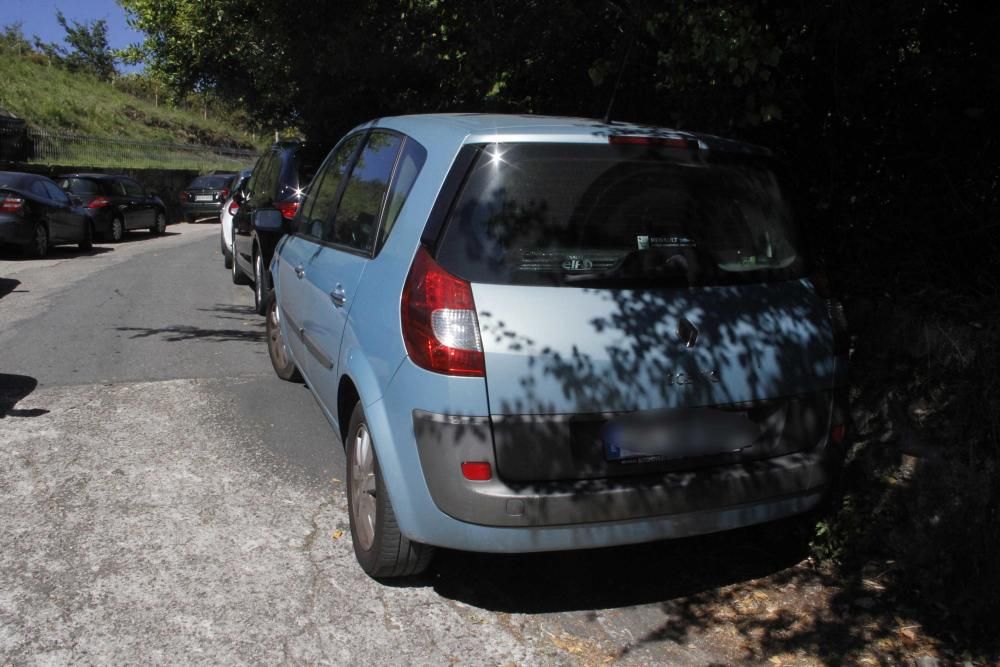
[(224, 194), (835, 311), (288, 208), (440, 327), (11, 204), (234, 206), (99, 202), (184, 196)]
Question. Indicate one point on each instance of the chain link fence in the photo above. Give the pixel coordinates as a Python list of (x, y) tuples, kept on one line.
[(25, 145)]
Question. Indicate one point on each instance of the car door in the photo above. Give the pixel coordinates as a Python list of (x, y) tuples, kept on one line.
[(64, 223), (139, 213), (334, 272), (299, 249)]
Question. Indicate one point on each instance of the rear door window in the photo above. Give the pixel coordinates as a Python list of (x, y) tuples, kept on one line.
[(355, 224), (133, 189), (55, 193), (321, 199), (620, 216)]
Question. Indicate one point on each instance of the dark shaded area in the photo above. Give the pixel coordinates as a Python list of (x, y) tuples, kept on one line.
[(184, 332), (14, 388), (55, 252), (8, 285)]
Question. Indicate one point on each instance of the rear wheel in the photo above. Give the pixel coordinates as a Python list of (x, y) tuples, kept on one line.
[(381, 550), (237, 273), (117, 232), (227, 257), (282, 363), (88, 237), (39, 246)]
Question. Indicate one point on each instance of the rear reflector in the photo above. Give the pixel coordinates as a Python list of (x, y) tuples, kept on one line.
[(640, 140), (11, 204), (838, 433), (99, 202), (440, 327), (477, 471)]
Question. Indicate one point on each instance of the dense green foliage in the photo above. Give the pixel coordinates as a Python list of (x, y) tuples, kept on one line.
[(886, 112), (88, 50)]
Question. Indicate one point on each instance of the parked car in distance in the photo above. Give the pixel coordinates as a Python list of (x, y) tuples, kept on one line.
[(203, 196), (36, 214), (229, 208), (117, 204), (277, 181), (543, 333)]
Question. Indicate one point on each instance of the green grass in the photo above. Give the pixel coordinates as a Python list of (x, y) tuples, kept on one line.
[(54, 99)]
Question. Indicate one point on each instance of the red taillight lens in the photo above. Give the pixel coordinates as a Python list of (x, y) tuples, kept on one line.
[(288, 208), (477, 471), (440, 326), (669, 142), (11, 204), (183, 196), (838, 433), (224, 194), (99, 202), (234, 206)]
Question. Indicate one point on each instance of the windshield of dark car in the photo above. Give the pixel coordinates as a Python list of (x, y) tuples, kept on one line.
[(619, 215), (211, 182)]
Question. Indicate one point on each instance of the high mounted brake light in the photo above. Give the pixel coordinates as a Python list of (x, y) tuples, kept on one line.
[(641, 140), (440, 327)]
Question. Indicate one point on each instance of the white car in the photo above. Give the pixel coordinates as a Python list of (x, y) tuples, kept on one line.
[(229, 208)]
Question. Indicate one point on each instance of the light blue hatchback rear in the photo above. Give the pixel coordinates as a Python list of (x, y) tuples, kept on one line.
[(547, 333)]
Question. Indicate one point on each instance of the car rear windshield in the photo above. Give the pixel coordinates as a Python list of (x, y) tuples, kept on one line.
[(215, 182), (83, 186), (303, 165), (620, 216)]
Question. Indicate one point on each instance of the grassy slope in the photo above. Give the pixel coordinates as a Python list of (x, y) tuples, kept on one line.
[(51, 98)]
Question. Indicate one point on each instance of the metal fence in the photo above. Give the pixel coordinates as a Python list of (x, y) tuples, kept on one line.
[(40, 147)]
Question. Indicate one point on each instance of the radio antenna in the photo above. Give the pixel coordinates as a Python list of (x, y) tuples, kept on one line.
[(618, 82)]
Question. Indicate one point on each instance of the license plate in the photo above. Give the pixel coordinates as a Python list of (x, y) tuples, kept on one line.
[(678, 435), (203, 197)]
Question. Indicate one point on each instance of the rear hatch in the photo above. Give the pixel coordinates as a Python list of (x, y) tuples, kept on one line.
[(643, 307), (208, 189)]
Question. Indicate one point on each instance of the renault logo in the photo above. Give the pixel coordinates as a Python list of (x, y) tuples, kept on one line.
[(687, 332)]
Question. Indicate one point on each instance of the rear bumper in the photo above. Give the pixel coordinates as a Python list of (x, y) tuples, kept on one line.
[(15, 231), (201, 209), (693, 501)]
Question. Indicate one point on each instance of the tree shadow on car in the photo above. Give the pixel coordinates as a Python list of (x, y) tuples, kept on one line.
[(619, 576), (13, 388)]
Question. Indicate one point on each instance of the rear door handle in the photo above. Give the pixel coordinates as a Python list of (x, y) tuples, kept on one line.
[(300, 272), (338, 296)]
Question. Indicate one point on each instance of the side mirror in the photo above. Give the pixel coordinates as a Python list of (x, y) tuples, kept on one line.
[(268, 220), (75, 201)]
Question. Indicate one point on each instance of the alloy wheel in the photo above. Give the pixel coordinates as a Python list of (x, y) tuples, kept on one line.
[(161, 223), (41, 241), (363, 487), (258, 280), (117, 229), (276, 340)]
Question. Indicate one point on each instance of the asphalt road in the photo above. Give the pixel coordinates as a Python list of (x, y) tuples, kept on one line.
[(165, 498)]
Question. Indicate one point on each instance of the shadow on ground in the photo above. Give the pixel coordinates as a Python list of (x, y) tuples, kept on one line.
[(57, 252), (14, 388), (185, 332), (8, 285)]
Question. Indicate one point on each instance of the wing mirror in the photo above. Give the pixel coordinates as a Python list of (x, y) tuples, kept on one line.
[(75, 201), (268, 220)]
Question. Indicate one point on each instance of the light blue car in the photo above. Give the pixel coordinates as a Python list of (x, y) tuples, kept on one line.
[(538, 333)]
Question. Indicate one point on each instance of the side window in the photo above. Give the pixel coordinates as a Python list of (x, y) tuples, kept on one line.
[(357, 215), (38, 188), (118, 189), (411, 161), (55, 193), (133, 189), (259, 193), (322, 196)]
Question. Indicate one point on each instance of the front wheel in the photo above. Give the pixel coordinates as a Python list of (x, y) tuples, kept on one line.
[(381, 549), (160, 226), (281, 362), (117, 230), (88, 237)]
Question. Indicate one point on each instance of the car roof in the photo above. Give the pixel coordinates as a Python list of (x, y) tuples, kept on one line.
[(471, 128)]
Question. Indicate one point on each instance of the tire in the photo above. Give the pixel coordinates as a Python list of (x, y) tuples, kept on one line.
[(39, 246), (281, 362), (237, 274), (381, 550), (160, 226), (117, 231), (261, 285), (88, 238), (227, 257)]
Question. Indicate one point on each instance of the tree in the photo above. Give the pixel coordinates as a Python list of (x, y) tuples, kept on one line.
[(88, 50)]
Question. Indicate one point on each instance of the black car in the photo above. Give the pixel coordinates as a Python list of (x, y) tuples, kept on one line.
[(277, 181), (36, 214), (203, 197), (117, 204)]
